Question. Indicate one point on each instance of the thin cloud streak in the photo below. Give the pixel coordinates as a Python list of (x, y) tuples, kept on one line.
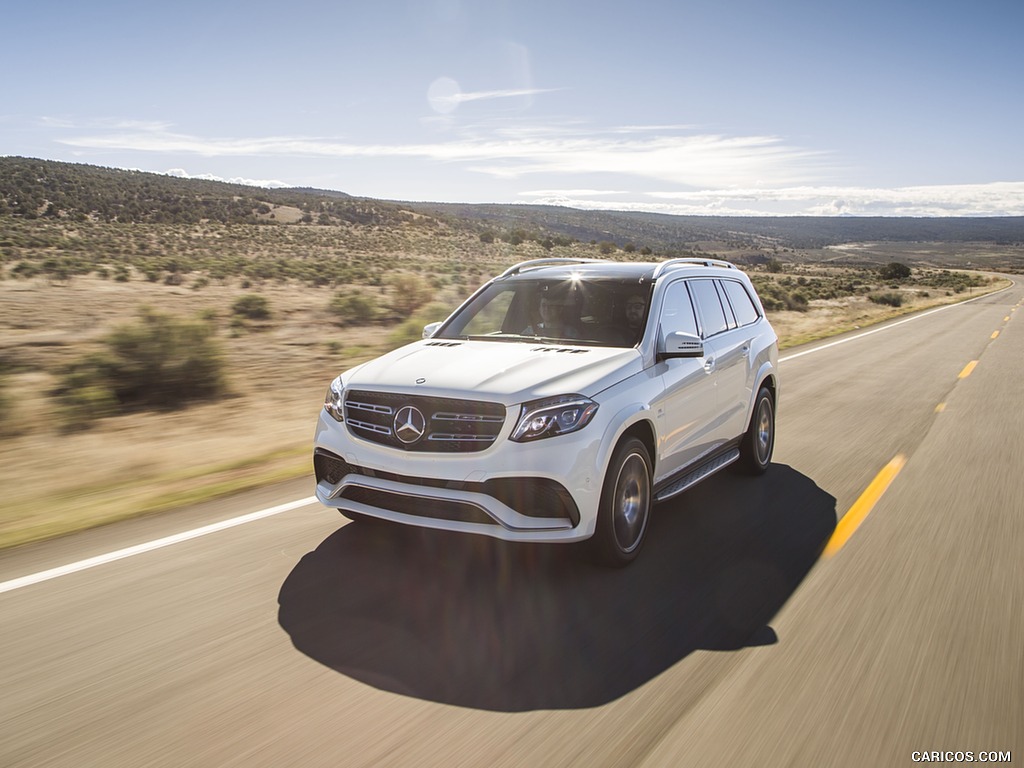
[(692, 160), (506, 94)]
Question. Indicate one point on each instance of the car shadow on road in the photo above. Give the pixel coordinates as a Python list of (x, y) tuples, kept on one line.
[(474, 622)]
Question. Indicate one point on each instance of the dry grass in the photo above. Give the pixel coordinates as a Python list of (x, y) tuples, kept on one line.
[(54, 480)]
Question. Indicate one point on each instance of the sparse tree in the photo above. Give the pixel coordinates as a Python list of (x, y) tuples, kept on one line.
[(894, 270)]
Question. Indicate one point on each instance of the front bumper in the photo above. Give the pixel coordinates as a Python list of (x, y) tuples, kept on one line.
[(545, 491)]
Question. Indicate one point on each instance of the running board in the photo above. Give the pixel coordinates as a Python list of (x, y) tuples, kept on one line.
[(690, 479)]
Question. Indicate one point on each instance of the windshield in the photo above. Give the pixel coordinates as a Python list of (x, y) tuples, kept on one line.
[(603, 312)]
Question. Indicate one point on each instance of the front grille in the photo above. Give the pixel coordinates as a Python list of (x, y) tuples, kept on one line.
[(443, 424)]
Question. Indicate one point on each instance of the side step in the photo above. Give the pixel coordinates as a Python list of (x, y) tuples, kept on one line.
[(693, 477)]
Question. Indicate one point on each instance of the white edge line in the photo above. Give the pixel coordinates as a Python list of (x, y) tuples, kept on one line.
[(893, 325), (138, 549)]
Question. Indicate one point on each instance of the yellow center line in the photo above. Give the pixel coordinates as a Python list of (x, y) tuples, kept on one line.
[(994, 334), (968, 369), (940, 407), (861, 508)]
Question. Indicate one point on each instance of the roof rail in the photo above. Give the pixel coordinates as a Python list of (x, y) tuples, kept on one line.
[(535, 263), (664, 266)]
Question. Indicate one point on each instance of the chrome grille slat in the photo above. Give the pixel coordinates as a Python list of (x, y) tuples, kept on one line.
[(462, 438), (467, 417), (385, 409), (378, 429)]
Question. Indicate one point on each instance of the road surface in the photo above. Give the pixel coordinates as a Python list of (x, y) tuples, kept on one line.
[(861, 603)]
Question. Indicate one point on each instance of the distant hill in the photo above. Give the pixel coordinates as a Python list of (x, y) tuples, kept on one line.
[(668, 233), (44, 188), (31, 188)]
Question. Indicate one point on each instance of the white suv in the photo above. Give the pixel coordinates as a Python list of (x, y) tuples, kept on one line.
[(557, 404)]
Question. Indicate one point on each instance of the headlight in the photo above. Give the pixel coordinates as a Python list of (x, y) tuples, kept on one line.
[(334, 402), (554, 416)]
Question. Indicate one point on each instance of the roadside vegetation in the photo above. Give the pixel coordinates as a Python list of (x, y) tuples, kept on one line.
[(164, 341)]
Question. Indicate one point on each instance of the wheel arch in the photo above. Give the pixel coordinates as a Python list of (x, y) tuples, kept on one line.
[(642, 430), (767, 377)]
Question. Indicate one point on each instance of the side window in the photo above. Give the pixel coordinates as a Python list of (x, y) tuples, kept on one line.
[(730, 316), (677, 311), (742, 304), (712, 316)]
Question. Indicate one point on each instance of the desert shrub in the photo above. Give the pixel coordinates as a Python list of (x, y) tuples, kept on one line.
[(776, 296), (352, 309), (895, 271), (410, 292), (85, 400), (160, 361), (5, 406), (796, 302), (252, 306), (891, 299), (412, 329)]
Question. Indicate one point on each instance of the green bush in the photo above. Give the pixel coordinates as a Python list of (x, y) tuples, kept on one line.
[(895, 271), (889, 299), (160, 362), (352, 309), (252, 306), (410, 292)]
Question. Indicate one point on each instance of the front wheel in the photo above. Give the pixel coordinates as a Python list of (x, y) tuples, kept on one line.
[(625, 507), (758, 443)]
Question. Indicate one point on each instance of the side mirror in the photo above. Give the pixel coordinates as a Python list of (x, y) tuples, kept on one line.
[(430, 329), (680, 344)]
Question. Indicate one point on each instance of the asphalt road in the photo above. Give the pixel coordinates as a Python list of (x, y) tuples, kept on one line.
[(295, 639)]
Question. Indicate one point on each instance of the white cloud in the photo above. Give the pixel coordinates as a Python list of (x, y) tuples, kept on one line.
[(181, 173), (994, 199), (693, 160)]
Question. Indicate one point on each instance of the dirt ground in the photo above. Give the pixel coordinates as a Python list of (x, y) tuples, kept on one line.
[(54, 479)]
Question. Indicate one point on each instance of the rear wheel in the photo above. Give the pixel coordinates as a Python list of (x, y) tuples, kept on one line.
[(758, 443), (625, 507)]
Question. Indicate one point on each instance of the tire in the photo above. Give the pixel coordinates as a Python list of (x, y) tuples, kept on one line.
[(758, 443), (625, 508)]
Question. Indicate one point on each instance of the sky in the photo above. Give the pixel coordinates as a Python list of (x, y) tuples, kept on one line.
[(711, 107)]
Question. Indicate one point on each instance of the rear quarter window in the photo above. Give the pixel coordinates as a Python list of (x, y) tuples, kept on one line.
[(709, 307), (742, 304)]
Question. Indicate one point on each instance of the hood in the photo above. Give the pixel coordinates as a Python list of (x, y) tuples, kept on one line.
[(505, 372)]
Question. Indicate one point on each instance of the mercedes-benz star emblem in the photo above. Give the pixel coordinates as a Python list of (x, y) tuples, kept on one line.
[(409, 424)]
